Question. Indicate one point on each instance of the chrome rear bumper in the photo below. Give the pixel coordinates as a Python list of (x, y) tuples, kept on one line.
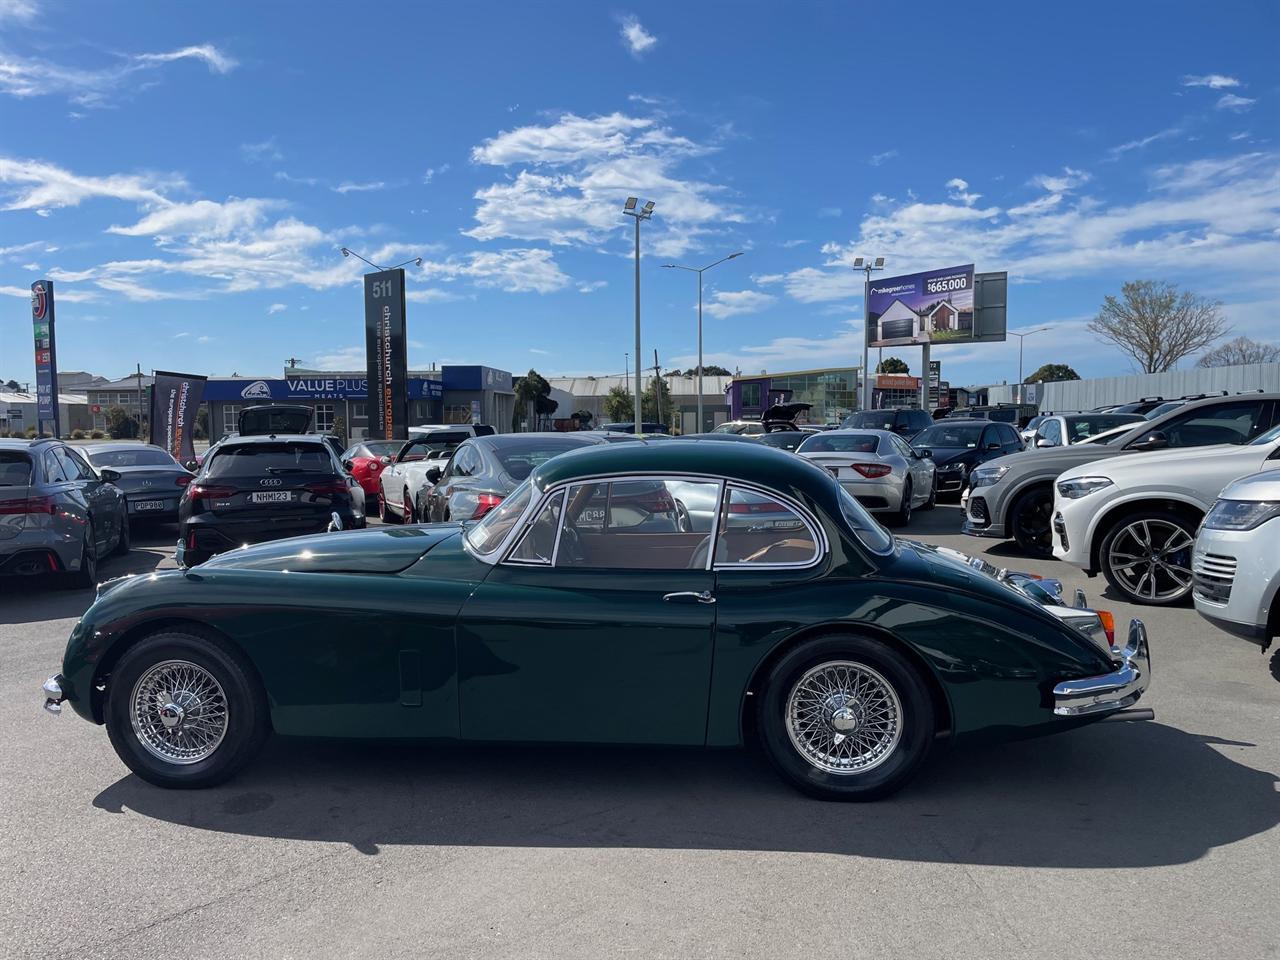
[(1110, 691)]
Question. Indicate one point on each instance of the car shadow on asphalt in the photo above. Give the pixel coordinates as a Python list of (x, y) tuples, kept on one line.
[(1121, 795)]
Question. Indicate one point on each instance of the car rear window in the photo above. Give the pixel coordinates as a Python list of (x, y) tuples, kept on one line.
[(264, 459), (840, 443), (871, 420), (15, 469), (521, 458), (132, 458)]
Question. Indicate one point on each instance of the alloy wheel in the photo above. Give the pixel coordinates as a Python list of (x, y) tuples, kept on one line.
[(1151, 558), (844, 717), (178, 711)]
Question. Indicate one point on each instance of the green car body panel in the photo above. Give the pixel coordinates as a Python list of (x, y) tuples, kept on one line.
[(404, 632)]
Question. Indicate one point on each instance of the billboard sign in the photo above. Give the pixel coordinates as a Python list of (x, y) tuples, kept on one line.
[(931, 307), (175, 399), (46, 354), (388, 366)]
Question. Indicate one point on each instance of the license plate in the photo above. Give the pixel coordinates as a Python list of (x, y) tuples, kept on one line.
[(271, 496), (141, 505)]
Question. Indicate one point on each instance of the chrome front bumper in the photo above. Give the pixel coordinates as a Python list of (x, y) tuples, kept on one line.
[(1111, 691), (53, 695)]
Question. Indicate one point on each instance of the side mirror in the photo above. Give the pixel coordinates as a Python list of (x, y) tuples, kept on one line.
[(384, 460), (433, 475), (192, 465), (107, 475), (1042, 442), (1155, 440), (924, 453), (348, 465)]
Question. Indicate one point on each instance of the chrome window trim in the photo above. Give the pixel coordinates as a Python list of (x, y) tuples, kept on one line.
[(498, 554), (821, 548), (526, 528)]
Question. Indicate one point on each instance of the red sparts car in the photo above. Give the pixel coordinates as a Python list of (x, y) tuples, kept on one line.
[(366, 462)]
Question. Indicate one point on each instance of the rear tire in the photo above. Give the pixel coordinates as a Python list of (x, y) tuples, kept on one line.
[(122, 545), (220, 722), (86, 578), (1030, 522), (903, 516), (857, 685)]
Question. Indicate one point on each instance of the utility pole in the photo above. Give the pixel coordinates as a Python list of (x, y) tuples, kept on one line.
[(643, 213), (657, 383), (139, 382)]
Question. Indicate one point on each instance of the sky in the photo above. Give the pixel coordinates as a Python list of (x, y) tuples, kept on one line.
[(188, 173)]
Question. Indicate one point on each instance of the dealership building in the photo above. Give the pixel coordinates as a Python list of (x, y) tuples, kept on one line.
[(832, 393)]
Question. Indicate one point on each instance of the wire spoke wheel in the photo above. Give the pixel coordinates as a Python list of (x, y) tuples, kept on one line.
[(1151, 558), (178, 711), (844, 717)]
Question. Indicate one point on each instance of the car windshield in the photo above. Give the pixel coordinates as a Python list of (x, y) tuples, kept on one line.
[(487, 535), (376, 448), (1082, 428), (519, 458), (948, 435), (1108, 436), (266, 459), (135, 457), (871, 420), (15, 469), (1161, 410), (840, 443), (869, 531), (783, 439), (1271, 436)]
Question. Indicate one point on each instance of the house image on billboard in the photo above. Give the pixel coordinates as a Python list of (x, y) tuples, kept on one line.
[(899, 322)]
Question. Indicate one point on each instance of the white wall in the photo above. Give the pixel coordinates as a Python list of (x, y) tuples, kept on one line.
[(1087, 394)]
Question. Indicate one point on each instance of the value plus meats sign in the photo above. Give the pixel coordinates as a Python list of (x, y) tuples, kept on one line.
[(384, 331), (46, 355)]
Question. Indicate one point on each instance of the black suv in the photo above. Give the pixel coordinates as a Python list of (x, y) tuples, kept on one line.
[(906, 423), (253, 489)]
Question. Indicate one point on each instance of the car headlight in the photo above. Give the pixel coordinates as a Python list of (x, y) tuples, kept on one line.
[(1241, 514), (1082, 486), (954, 467), (986, 476)]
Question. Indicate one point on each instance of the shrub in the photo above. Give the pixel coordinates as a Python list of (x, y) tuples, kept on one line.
[(97, 435), (31, 433), (77, 434)]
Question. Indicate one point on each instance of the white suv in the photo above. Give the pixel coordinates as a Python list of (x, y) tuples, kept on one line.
[(1135, 518), (1236, 563)]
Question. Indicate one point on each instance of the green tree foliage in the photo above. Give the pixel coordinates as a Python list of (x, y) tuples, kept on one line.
[(120, 425), (892, 365), (1156, 324), (655, 403), (1053, 372), (708, 370), (584, 418), (202, 423), (619, 406), (533, 395)]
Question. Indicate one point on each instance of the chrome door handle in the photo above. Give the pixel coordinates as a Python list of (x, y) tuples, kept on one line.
[(703, 597)]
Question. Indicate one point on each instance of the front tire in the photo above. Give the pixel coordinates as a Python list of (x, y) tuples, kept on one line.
[(410, 514), (1147, 558), (185, 711), (903, 516), (933, 494), (384, 514), (846, 718)]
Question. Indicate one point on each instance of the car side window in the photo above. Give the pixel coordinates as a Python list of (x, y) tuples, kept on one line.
[(463, 462), (919, 420), (638, 525), (538, 543), (1237, 422), (756, 529), (54, 471), (76, 466), (1051, 430), (901, 447), (1012, 441)]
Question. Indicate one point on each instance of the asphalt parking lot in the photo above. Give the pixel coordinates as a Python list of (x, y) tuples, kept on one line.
[(1153, 839)]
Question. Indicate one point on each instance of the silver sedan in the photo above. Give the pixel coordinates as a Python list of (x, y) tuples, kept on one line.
[(878, 467)]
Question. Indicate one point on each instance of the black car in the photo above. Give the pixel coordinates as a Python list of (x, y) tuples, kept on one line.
[(905, 422), (630, 427), (151, 480), (957, 446), (483, 470), (254, 489)]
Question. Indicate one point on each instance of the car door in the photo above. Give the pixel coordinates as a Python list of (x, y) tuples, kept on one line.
[(1051, 432), (597, 627), (102, 500), (919, 468), (461, 466)]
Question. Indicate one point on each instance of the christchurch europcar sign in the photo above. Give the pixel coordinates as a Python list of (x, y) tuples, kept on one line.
[(388, 365)]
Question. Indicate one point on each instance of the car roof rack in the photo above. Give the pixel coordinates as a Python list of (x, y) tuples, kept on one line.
[(1145, 400), (1204, 396)]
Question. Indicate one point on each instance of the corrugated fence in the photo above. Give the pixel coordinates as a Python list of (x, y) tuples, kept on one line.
[(1087, 394)]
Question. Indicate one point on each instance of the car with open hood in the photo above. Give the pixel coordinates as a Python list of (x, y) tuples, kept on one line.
[(589, 607)]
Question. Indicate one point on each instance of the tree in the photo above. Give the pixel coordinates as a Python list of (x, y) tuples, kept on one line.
[(1238, 351), (655, 402), (13, 385), (618, 405), (584, 418), (339, 429), (120, 425), (708, 370), (1157, 325), (1052, 373), (892, 365), (201, 431), (534, 394)]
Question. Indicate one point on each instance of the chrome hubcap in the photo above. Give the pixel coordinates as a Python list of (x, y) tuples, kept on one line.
[(1152, 559), (844, 717), (179, 712)]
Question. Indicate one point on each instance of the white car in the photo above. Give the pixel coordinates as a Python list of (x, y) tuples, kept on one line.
[(1135, 518), (404, 476), (1236, 563)]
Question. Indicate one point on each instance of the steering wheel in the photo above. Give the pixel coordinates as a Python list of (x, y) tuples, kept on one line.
[(571, 551)]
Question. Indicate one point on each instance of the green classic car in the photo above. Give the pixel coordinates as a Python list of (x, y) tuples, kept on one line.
[(696, 594)]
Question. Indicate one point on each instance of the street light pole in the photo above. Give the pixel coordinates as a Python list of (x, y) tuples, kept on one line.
[(1021, 337), (700, 271), (644, 213), (867, 265)]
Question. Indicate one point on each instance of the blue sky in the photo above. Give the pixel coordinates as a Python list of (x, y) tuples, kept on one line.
[(187, 174)]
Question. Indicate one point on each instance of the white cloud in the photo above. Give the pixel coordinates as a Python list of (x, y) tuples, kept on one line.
[(1214, 81), (264, 152), (878, 158), (285, 176), (958, 189), (341, 358), (592, 286), (205, 218), (730, 303), (432, 172), (636, 38), (1069, 179), (276, 308), (44, 186), (34, 77), (1144, 141), (21, 11), (513, 271), (545, 353), (137, 292), (68, 296), (1237, 104), (179, 336), (429, 295), (811, 285), (576, 174), (204, 339), (792, 352), (349, 187)]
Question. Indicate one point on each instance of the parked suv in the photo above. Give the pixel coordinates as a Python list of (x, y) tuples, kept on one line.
[(905, 422), (254, 489), (1012, 497), (1064, 429)]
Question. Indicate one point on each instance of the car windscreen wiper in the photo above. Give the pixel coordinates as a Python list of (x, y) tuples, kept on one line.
[(285, 470)]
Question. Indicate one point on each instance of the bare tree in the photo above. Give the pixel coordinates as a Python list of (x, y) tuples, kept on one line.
[(1238, 351), (1158, 325)]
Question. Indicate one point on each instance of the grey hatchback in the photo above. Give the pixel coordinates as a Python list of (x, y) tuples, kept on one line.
[(57, 514)]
